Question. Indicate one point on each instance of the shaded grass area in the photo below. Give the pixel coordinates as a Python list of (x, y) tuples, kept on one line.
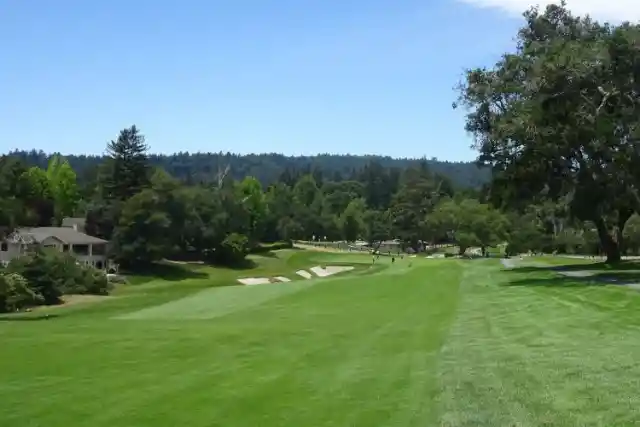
[(562, 354), (359, 350), (553, 272)]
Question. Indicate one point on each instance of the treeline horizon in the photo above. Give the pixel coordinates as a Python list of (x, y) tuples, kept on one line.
[(269, 167)]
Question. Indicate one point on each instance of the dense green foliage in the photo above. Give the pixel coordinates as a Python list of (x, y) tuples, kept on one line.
[(270, 168), (557, 120), (44, 276)]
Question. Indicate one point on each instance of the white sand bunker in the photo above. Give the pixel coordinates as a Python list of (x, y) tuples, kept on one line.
[(318, 271), (304, 273), (329, 270), (255, 281)]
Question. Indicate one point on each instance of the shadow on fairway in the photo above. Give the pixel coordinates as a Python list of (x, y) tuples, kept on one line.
[(26, 317), (624, 278), (164, 271), (596, 266)]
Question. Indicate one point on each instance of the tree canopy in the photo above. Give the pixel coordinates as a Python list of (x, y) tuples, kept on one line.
[(556, 119)]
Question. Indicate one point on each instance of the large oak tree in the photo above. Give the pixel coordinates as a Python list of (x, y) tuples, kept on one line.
[(558, 119)]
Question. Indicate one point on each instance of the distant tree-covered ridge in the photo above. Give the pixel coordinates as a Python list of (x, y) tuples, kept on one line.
[(270, 167)]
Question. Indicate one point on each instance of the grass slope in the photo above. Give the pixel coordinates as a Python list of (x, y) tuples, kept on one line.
[(530, 348), (417, 343), (356, 350)]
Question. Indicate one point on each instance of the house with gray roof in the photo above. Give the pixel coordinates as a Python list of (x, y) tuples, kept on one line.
[(77, 224), (86, 249)]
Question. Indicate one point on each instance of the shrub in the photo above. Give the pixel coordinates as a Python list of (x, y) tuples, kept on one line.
[(52, 274), (15, 293), (93, 281), (233, 250)]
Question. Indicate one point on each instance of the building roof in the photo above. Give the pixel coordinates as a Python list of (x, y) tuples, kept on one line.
[(70, 222), (66, 235)]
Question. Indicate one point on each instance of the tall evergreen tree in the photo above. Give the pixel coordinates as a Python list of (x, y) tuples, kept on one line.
[(126, 172)]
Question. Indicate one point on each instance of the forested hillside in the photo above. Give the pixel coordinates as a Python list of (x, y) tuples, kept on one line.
[(271, 167)]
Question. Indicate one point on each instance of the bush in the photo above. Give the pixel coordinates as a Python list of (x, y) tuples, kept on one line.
[(93, 282), (51, 274), (15, 293), (233, 250)]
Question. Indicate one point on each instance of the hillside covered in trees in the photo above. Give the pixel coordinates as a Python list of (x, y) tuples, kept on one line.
[(269, 168)]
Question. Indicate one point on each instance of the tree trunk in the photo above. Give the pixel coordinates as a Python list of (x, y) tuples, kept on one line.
[(623, 217), (463, 249), (610, 247)]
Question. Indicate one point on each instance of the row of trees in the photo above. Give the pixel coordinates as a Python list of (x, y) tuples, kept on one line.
[(555, 121), (31, 196), (149, 215)]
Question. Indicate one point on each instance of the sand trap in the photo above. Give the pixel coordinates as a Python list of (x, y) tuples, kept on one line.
[(329, 270), (304, 273), (255, 281), (282, 279)]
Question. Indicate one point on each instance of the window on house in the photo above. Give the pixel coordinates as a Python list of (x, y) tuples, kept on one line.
[(81, 249), (99, 249), (4, 247), (65, 248)]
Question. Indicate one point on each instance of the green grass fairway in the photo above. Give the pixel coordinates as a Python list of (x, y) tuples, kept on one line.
[(417, 343)]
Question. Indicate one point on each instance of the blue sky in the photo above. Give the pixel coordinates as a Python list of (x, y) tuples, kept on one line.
[(291, 76)]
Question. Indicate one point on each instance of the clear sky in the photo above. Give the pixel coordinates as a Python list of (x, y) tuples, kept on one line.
[(290, 76)]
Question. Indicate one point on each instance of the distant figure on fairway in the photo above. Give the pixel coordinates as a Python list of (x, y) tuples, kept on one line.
[(393, 259)]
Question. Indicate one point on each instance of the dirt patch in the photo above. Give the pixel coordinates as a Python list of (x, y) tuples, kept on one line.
[(84, 299), (69, 300)]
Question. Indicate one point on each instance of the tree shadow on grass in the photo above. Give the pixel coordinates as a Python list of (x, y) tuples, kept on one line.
[(165, 271), (592, 267), (244, 264), (267, 254), (629, 278), (26, 317)]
